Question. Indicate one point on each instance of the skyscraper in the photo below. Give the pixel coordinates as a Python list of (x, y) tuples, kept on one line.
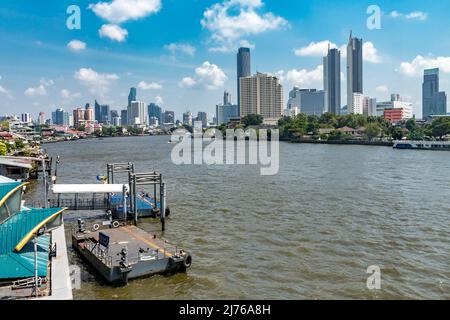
[(433, 101), (132, 96), (354, 69), (332, 80), (203, 118), (79, 116), (244, 69), (137, 114), (124, 117), (261, 94), (169, 117), (88, 113), (155, 111), (226, 98)]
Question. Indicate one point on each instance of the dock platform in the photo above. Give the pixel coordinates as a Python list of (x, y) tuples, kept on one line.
[(127, 252)]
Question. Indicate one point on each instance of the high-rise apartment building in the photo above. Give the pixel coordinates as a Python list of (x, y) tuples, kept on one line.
[(261, 94), (138, 115), (244, 68), (332, 80), (354, 69)]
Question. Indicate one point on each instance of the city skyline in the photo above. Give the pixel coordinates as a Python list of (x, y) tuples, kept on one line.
[(56, 67)]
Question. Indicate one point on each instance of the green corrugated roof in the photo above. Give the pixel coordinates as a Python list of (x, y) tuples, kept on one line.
[(21, 265), (18, 226), (17, 229), (5, 188)]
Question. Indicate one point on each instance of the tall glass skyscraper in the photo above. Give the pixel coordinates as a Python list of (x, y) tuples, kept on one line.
[(244, 69), (354, 69), (433, 101), (332, 81), (131, 96), (155, 111)]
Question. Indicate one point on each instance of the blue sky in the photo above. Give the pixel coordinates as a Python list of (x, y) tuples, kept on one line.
[(181, 53)]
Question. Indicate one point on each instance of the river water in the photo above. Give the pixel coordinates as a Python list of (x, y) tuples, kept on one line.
[(309, 232)]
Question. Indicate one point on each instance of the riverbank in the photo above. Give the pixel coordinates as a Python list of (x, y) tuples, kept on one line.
[(346, 142)]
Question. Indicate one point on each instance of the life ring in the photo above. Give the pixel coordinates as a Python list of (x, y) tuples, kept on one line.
[(187, 261), (96, 227), (115, 224)]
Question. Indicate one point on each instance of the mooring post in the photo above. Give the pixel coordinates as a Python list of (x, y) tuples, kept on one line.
[(162, 210)]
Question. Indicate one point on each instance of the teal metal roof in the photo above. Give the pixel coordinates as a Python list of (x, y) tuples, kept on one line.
[(20, 225), (16, 249), (21, 265), (5, 188)]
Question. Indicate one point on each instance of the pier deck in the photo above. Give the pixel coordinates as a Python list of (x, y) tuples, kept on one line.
[(146, 254)]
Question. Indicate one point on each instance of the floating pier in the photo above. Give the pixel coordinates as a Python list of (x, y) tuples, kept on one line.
[(118, 250), (127, 252)]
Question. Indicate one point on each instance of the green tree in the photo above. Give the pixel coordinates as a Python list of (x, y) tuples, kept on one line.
[(19, 144), (3, 149), (372, 131), (252, 120), (411, 125)]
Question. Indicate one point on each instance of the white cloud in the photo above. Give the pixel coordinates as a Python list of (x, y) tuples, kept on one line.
[(306, 78), (36, 91), (149, 86), (67, 95), (159, 100), (39, 90), (320, 49), (97, 83), (208, 75), (114, 32), (181, 47), (119, 11), (232, 20), (382, 88), (415, 15), (315, 49), (76, 45), (419, 63), (187, 82), (370, 53)]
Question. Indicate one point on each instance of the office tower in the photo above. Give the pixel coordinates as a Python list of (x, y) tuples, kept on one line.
[(203, 118), (309, 101), (88, 113), (25, 118), (78, 117), (138, 114), (132, 96), (243, 69), (60, 117), (97, 111), (434, 102), (226, 112), (354, 69), (226, 98), (332, 80), (187, 118), (102, 113), (116, 120), (169, 117), (155, 111), (124, 117), (261, 94)]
